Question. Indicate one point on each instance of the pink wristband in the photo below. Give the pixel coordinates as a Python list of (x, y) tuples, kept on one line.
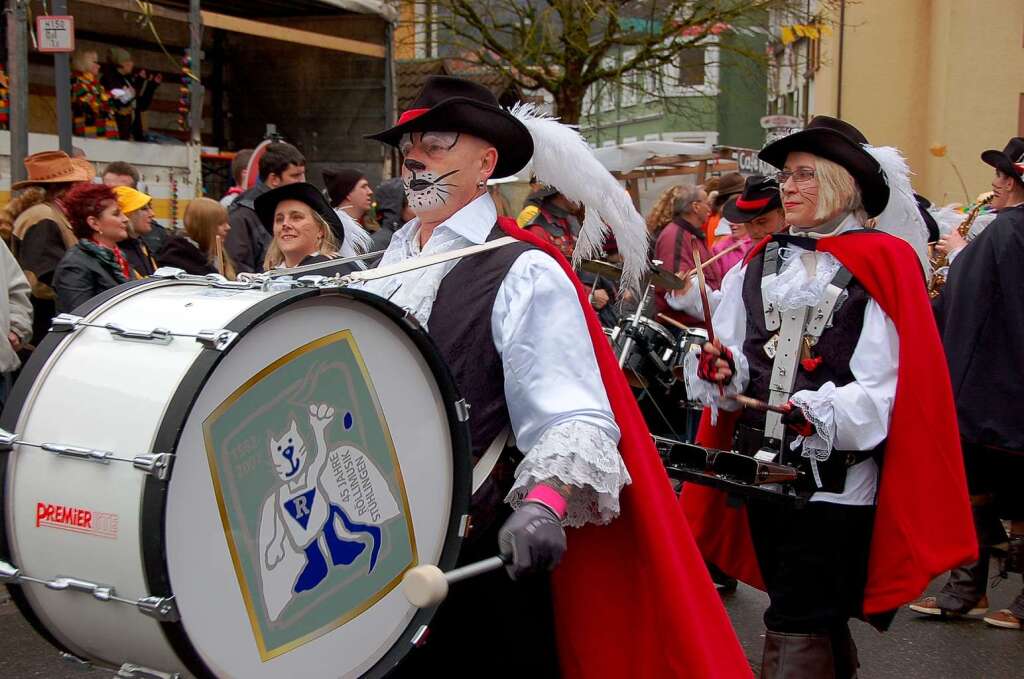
[(549, 497)]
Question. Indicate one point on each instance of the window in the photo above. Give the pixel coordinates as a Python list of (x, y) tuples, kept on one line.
[(691, 67)]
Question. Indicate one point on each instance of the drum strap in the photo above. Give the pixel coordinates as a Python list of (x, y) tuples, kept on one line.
[(414, 263), (485, 465)]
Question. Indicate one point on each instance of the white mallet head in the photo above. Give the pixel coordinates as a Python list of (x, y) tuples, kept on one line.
[(424, 586)]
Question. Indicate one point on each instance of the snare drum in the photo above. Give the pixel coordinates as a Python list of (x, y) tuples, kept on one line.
[(648, 355), (693, 340), (239, 494)]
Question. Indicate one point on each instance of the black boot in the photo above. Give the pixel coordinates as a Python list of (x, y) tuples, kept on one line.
[(797, 656), (844, 651)]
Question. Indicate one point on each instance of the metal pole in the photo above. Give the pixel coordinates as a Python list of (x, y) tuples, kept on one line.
[(17, 69), (195, 26), (62, 85)]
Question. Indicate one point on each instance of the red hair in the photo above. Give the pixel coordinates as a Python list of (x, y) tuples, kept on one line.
[(83, 201)]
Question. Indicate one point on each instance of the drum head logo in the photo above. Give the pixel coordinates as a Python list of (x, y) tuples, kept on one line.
[(310, 492)]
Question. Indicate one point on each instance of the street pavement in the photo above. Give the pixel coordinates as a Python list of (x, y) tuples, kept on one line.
[(915, 647)]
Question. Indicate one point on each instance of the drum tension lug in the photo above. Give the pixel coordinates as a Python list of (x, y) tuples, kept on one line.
[(462, 410), (80, 663), (158, 465), (163, 609), (65, 323), (218, 340), (7, 441), (9, 573), (420, 637), (132, 671)]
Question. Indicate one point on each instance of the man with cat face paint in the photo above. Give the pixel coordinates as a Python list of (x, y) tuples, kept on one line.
[(510, 323)]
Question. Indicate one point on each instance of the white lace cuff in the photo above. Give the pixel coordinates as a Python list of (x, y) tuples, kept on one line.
[(708, 393), (581, 455), (818, 407)]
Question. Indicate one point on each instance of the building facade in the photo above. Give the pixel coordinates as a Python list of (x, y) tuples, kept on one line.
[(939, 79), (711, 94)]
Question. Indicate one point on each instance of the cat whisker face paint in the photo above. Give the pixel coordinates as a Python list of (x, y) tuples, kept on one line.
[(438, 171)]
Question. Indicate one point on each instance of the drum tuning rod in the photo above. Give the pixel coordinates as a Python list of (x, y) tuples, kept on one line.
[(755, 404), (427, 585)]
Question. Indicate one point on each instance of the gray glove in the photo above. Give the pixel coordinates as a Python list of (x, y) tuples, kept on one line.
[(532, 539)]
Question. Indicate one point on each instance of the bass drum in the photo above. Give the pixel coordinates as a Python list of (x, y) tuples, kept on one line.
[(241, 502)]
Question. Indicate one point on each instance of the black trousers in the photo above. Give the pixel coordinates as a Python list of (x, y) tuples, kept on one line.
[(814, 561), (489, 625)]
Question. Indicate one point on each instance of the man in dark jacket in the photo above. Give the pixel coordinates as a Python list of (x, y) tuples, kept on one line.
[(247, 241), (981, 317), (392, 212)]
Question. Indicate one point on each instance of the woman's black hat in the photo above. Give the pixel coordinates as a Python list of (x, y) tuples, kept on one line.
[(447, 104), (303, 192), (760, 196), (1009, 161), (842, 143)]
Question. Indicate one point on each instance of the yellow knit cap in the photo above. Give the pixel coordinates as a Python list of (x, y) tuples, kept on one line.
[(130, 199)]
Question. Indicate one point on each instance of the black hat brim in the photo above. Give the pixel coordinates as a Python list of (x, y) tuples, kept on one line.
[(842, 150), (303, 192), (461, 114), (737, 215), (1001, 162)]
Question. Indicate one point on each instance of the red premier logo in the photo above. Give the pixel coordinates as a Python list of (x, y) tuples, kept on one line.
[(76, 520)]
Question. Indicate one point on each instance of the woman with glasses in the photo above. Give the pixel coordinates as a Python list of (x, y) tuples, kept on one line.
[(830, 323)]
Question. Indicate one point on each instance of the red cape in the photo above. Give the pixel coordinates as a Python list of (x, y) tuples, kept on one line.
[(923, 524), (633, 598)]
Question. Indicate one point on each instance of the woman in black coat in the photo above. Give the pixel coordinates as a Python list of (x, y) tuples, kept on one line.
[(95, 263), (200, 250)]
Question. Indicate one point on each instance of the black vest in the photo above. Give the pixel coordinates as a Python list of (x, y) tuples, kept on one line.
[(460, 325), (835, 348)]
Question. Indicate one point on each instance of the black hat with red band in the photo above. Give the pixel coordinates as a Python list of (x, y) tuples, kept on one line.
[(1009, 161), (760, 196), (447, 104)]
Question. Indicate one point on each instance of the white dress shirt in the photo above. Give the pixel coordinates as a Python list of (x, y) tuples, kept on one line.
[(556, 399)]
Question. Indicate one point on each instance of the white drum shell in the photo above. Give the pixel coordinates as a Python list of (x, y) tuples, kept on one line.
[(103, 393)]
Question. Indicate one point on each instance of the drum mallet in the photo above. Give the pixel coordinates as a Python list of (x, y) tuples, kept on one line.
[(426, 586)]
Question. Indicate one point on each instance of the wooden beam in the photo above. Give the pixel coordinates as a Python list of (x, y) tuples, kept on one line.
[(260, 29), (283, 33), (654, 173)]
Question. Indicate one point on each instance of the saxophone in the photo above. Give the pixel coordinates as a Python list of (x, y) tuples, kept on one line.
[(940, 262)]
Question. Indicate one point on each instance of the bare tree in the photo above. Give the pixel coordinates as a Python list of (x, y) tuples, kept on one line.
[(566, 47)]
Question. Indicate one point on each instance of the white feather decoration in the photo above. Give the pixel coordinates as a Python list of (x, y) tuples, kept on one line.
[(901, 218), (562, 159), (357, 240)]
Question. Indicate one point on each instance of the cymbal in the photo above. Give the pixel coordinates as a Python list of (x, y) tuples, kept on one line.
[(606, 269), (658, 276)]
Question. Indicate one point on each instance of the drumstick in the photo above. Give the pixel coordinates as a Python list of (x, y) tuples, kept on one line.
[(721, 254), (702, 287), (673, 322), (427, 585), (755, 404)]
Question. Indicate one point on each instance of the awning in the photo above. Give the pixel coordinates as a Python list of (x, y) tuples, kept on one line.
[(627, 157)]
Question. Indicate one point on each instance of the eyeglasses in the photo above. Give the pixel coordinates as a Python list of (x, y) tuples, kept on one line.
[(801, 176)]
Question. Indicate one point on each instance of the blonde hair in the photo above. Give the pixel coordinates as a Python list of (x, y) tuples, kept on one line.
[(661, 213), (203, 216), (83, 58), (837, 191), (328, 246)]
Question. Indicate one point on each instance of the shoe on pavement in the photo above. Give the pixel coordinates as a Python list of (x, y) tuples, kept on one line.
[(929, 605), (1003, 618)]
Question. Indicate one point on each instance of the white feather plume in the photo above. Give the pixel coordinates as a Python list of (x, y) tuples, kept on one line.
[(562, 159), (901, 217)]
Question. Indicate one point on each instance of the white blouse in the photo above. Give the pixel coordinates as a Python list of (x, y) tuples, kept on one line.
[(854, 416)]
